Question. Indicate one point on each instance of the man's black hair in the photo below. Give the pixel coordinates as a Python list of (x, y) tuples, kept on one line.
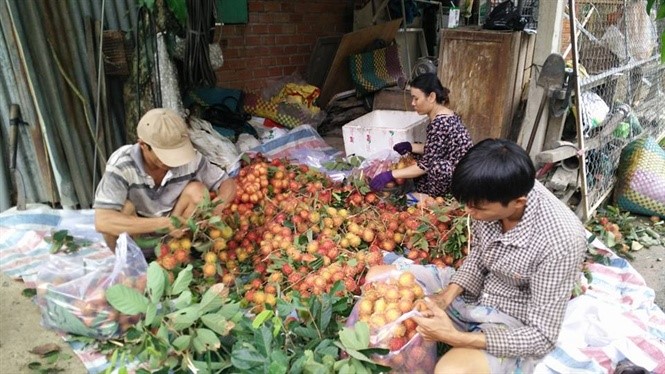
[(494, 170)]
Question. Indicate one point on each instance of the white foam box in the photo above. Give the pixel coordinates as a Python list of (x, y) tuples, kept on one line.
[(380, 130)]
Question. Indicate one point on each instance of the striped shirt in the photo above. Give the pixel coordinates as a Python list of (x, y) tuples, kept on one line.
[(125, 179), (527, 273)]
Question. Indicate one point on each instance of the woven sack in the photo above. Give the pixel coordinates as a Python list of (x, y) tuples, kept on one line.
[(641, 178), (377, 69), (286, 114)]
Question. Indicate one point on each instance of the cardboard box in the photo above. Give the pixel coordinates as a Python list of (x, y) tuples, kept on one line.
[(380, 130)]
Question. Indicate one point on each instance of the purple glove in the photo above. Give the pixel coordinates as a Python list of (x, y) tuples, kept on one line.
[(379, 182), (403, 147)]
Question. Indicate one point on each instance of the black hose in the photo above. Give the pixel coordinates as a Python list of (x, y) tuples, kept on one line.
[(145, 16), (198, 70)]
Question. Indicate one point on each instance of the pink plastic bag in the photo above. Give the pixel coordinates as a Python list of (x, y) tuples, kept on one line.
[(391, 325)]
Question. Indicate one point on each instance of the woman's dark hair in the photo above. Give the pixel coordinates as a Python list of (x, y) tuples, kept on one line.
[(429, 83), (494, 170)]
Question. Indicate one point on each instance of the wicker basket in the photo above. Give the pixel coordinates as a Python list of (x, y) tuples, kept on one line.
[(115, 53)]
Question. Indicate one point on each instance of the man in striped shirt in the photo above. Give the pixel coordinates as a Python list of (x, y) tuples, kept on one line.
[(502, 310), (160, 176)]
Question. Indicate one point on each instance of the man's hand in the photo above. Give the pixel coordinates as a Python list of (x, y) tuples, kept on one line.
[(177, 232), (226, 193), (435, 324), (444, 298), (440, 300)]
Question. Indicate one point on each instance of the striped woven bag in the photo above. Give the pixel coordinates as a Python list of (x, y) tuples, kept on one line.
[(641, 178)]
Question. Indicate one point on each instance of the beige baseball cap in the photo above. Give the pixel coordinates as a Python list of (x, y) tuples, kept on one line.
[(166, 132)]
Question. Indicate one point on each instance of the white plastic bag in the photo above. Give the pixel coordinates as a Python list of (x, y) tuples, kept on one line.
[(216, 148), (246, 142)]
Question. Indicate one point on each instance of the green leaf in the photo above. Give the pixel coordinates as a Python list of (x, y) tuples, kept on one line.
[(214, 220), (182, 281), (327, 347), (211, 301), (345, 368), (175, 222), (263, 341), (229, 310), (113, 360), (216, 323), (306, 332), (215, 366), (205, 340), (262, 317), (34, 365), (277, 325), (356, 337), (326, 312), (60, 235), (163, 333), (150, 314), (29, 292), (357, 355), (202, 246), (296, 366), (374, 351), (126, 300), (183, 300), (314, 367), (192, 225), (156, 282), (52, 357), (277, 368), (279, 357), (182, 342), (246, 358), (359, 367), (284, 308), (184, 318)]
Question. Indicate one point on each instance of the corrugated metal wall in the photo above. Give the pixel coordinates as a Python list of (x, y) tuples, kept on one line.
[(50, 70)]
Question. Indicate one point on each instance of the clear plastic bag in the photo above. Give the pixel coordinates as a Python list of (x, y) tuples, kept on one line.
[(377, 163), (71, 291), (409, 352), (317, 159)]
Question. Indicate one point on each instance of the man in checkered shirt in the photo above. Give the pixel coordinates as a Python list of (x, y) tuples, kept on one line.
[(506, 303)]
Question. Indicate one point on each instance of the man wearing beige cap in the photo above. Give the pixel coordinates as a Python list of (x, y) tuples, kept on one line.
[(159, 176)]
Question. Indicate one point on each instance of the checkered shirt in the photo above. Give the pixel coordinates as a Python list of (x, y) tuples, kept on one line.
[(126, 179), (527, 272)]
